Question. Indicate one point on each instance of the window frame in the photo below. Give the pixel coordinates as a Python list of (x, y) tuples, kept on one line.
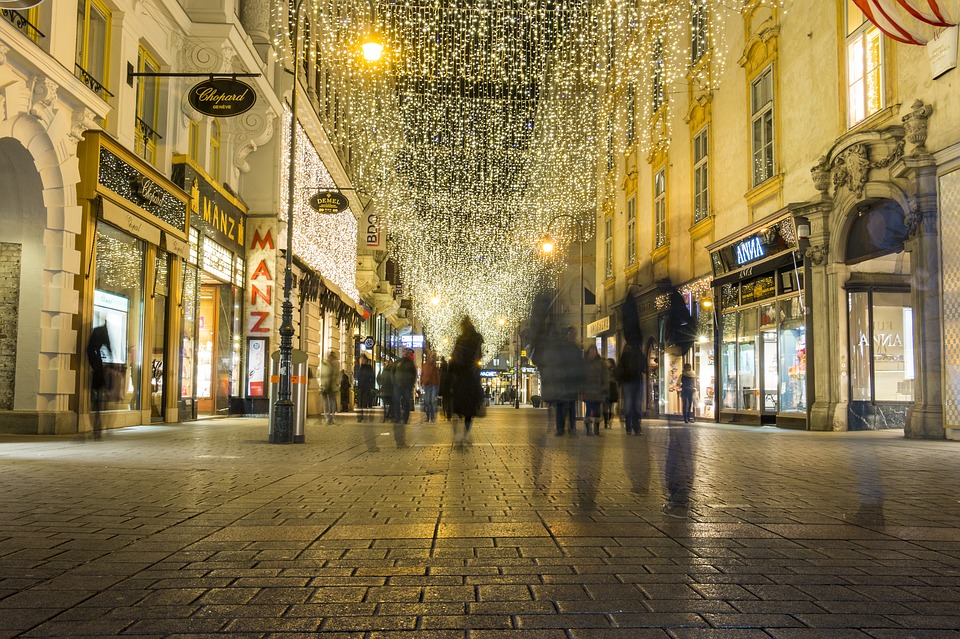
[(630, 126), (631, 230), (215, 138), (860, 34), (701, 174), (82, 47), (146, 141), (658, 97), (193, 141), (660, 208), (699, 42), (763, 118)]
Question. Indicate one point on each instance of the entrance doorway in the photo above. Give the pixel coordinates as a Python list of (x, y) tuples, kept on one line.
[(214, 347)]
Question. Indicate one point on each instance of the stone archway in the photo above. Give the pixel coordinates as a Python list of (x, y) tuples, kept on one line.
[(40, 130)]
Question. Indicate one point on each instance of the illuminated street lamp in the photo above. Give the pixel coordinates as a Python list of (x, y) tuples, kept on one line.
[(281, 431)]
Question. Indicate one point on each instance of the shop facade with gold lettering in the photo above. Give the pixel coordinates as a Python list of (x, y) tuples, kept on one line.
[(211, 353), (761, 343), (134, 239)]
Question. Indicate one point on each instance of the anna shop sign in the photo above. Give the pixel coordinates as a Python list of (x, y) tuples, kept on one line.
[(222, 97)]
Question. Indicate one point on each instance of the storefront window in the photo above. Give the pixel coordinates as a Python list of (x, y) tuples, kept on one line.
[(158, 355), (861, 373), (189, 349), (118, 304), (728, 358), (793, 356), (881, 346), (747, 337)]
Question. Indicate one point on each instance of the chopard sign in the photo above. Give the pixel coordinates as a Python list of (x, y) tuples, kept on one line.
[(222, 97)]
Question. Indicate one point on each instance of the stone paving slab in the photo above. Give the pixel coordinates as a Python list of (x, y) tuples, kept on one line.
[(366, 531)]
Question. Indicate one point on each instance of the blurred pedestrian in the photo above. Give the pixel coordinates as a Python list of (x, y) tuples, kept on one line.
[(329, 384), (688, 392), (430, 381), (344, 392), (97, 346), (561, 373), (404, 379), (366, 381), (465, 388), (595, 389), (385, 382), (443, 392), (630, 373), (613, 392)]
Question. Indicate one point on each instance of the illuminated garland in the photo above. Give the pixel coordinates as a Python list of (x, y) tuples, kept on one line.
[(487, 119)]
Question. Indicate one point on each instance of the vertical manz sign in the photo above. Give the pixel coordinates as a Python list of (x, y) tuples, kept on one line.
[(222, 97)]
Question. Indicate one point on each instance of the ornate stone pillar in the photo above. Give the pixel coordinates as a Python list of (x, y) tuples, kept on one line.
[(925, 417), (255, 18)]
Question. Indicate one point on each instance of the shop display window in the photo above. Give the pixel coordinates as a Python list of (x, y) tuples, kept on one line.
[(881, 346), (118, 304), (793, 356), (748, 336), (728, 360), (188, 352)]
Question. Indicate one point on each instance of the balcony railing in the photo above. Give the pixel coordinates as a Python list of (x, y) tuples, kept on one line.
[(20, 21), (146, 141), (91, 82)]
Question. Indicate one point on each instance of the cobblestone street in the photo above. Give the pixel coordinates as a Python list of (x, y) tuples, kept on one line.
[(367, 532)]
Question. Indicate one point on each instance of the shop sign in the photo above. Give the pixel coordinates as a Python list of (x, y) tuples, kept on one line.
[(486, 373), (261, 266), (602, 325), (176, 246), (528, 370), (220, 215), (749, 250), (411, 341), (369, 343), (19, 4), (329, 202), (942, 51), (132, 185), (222, 97), (370, 235), (127, 221)]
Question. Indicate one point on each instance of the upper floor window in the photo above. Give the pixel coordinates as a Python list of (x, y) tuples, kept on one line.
[(761, 130), (608, 247), (631, 124), (611, 158), (657, 93), (701, 188), (193, 141), (632, 231), (864, 66), (215, 149), (148, 108), (698, 30), (660, 208), (93, 41)]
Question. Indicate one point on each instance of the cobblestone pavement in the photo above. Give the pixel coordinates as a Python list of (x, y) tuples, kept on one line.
[(204, 529)]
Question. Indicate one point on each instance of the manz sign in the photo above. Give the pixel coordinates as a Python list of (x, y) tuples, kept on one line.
[(222, 97)]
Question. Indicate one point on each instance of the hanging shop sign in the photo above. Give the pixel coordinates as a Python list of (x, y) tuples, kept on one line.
[(772, 239), (222, 97), (329, 203), (19, 4), (369, 343), (219, 213), (370, 235)]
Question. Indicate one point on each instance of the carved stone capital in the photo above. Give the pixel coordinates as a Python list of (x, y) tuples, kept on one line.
[(3, 53), (816, 254), (43, 96), (253, 129), (83, 121), (915, 125), (918, 221)]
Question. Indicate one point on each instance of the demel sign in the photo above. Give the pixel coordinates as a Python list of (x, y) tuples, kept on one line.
[(222, 97)]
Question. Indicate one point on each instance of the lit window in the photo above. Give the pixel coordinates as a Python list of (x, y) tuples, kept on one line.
[(701, 188), (148, 108), (660, 208), (608, 247), (658, 92), (193, 141), (698, 30), (864, 67), (631, 126), (761, 110), (632, 231), (610, 155)]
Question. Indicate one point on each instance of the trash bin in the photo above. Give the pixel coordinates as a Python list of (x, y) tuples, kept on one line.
[(298, 395)]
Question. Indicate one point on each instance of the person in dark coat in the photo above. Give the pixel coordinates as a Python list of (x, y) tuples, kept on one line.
[(594, 389), (385, 380), (444, 391), (344, 392), (366, 381), (466, 391), (688, 392), (561, 375), (613, 392), (630, 372), (99, 342), (404, 379)]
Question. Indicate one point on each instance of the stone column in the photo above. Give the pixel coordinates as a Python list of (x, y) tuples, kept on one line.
[(255, 18)]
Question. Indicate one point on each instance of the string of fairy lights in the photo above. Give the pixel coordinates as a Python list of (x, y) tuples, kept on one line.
[(488, 121)]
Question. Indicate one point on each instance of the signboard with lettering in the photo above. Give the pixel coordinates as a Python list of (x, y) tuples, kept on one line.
[(775, 239), (370, 235), (942, 51), (222, 97), (261, 280), (329, 202), (220, 214)]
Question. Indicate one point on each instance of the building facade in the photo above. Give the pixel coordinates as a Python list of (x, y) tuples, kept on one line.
[(797, 187)]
